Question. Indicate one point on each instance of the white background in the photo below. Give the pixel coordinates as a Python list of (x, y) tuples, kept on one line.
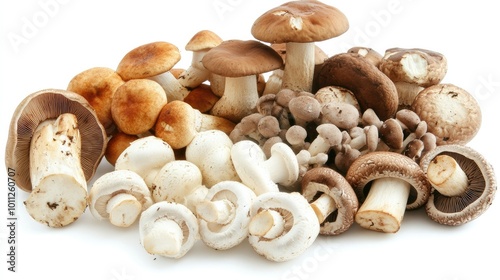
[(46, 42)]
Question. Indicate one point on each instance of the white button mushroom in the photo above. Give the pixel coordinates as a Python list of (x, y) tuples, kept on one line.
[(119, 196), (260, 174), (145, 156), (224, 215), (211, 151), (283, 225), (179, 181), (168, 229)]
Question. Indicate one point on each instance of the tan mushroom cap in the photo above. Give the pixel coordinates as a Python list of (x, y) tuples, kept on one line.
[(136, 105), (148, 60), (328, 181), (452, 114), (300, 22), (237, 58), (371, 87), (416, 66), (477, 198), (203, 40), (383, 164), (98, 85), (45, 105)]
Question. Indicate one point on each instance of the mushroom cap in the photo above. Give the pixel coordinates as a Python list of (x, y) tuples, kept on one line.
[(372, 55), (148, 60), (203, 40), (371, 87), (391, 134), (415, 66), (326, 180), (300, 22), (98, 85), (177, 124), (383, 164), (113, 183), (475, 200), (452, 114), (237, 58), (176, 212), (117, 144), (301, 224), (136, 105), (49, 104), (225, 236)]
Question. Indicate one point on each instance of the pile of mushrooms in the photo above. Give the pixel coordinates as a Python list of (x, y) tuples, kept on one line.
[(217, 153)]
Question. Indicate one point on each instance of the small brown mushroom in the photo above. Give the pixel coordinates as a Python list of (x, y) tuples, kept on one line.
[(332, 198), (464, 184), (386, 184)]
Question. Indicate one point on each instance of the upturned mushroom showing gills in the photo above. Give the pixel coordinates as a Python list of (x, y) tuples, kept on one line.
[(224, 214), (386, 183), (283, 225), (168, 229), (463, 181), (55, 145)]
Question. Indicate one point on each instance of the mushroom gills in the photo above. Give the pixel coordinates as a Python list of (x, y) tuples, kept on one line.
[(384, 207), (59, 193)]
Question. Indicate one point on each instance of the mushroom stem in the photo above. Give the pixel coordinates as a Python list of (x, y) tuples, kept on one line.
[(196, 73), (164, 238), (59, 193), (299, 67), (446, 176), (239, 99), (173, 88), (385, 204), (218, 211), (276, 166), (323, 206), (123, 209), (267, 223)]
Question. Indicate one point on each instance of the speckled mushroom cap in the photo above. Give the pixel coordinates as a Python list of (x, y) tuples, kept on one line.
[(300, 22), (326, 180), (383, 164), (148, 60), (372, 88), (49, 104), (458, 210), (452, 114), (238, 58)]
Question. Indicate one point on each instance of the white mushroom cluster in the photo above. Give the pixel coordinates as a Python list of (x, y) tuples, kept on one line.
[(219, 154)]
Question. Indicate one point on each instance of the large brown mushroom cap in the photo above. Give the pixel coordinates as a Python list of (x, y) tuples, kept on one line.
[(477, 198), (45, 105), (326, 180), (383, 164), (148, 60), (452, 114), (237, 58), (300, 22)]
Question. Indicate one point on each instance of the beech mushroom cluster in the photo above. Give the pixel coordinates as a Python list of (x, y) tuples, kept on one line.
[(217, 153)]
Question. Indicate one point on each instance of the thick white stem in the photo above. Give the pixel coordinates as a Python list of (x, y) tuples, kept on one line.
[(276, 167), (299, 67), (323, 207), (123, 209), (196, 73), (173, 88), (446, 176), (273, 84), (59, 193), (385, 205), (319, 145), (164, 238), (219, 211), (267, 223), (239, 99)]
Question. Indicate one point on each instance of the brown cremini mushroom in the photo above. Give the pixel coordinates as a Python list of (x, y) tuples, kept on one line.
[(299, 24), (332, 198), (55, 144), (464, 184), (386, 184)]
